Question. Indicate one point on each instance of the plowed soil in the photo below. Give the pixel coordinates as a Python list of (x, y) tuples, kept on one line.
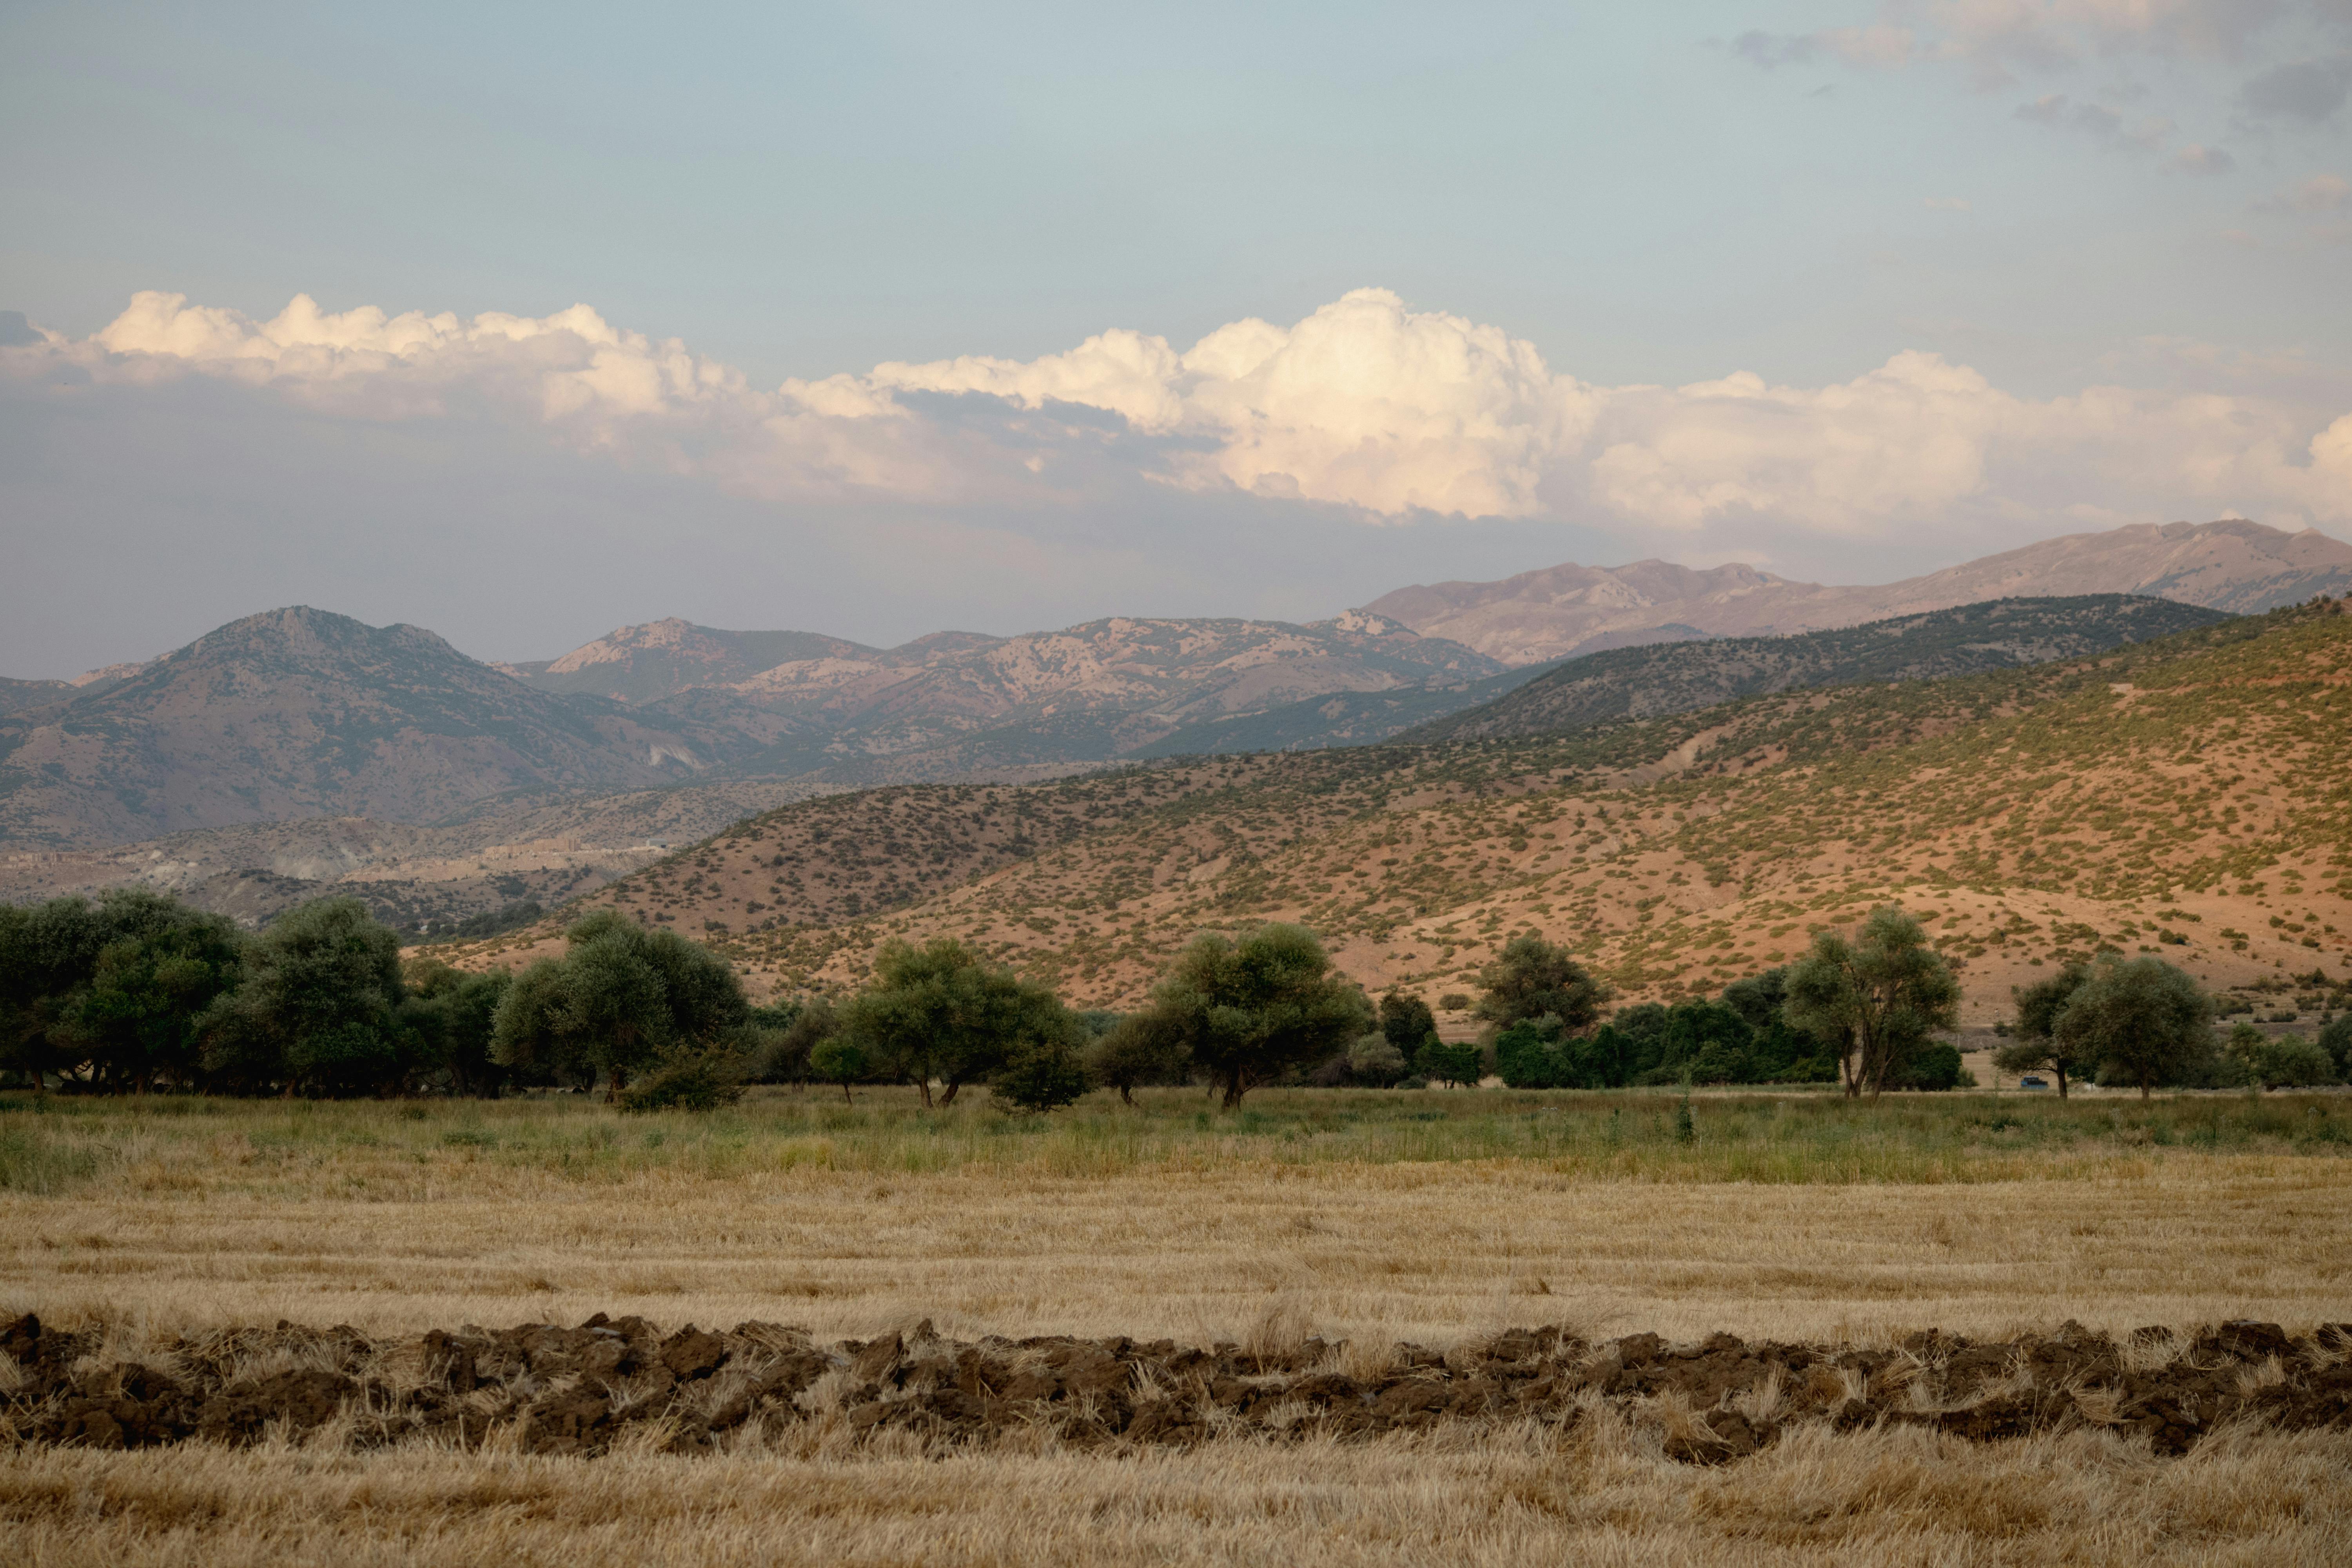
[(544, 1389)]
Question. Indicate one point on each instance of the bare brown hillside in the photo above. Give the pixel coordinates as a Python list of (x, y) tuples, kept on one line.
[(2183, 797), (2234, 565)]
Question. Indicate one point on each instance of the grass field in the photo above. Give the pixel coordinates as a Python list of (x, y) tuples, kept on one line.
[(1357, 1215)]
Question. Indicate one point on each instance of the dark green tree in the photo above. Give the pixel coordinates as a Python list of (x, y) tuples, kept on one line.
[(2032, 1046), (620, 998), (1873, 1000), (1040, 1075), (942, 1012), (1442, 1063), (1141, 1049), (839, 1059), (1532, 978), (1406, 1021), (320, 1010), (1249, 1011), (153, 967), (453, 1015), (2142, 1020)]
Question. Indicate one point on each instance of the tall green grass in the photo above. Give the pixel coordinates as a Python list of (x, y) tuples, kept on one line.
[(69, 1143)]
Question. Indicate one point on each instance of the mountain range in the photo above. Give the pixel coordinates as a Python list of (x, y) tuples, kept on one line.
[(440, 767), (2234, 565)]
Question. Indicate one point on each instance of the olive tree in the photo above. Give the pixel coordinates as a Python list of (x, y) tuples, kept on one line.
[(1249, 1010), (1532, 978), (1874, 1000), (1142, 1047), (2142, 1020), (942, 1012), (2034, 1047), (619, 998)]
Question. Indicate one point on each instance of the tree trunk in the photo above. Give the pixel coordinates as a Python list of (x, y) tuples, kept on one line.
[(949, 1098), (1232, 1088), (924, 1083), (2062, 1081), (1124, 1096), (845, 1094), (612, 1087)]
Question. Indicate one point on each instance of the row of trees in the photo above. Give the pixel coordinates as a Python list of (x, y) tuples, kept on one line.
[(138, 991), (2140, 1022)]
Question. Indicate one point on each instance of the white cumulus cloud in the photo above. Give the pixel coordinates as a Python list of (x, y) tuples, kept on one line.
[(1365, 404)]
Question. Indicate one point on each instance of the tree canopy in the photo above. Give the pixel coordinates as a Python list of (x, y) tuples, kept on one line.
[(619, 997), (940, 1012), (1874, 1001), (1247, 1011), (2035, 1046), (1532, 978), (2142, 1020)]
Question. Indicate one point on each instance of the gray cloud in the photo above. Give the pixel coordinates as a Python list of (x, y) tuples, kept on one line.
[(15, 331), (2304, 92), (2196, 160)]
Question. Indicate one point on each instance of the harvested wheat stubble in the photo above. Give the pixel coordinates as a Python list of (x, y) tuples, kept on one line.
[(550, 1390)]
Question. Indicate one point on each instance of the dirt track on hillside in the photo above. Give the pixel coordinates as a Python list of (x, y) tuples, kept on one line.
[(543, 1389)]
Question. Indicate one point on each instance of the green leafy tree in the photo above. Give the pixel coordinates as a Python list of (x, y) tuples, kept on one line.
[(1874, 1000), (160, 967), (2033, 1047), (2142, 1020), (1251, 1010), (1446, 1064), (320, 1010), (2336, 1039), (452, 1015), (620, 998), (841, 1060), (940, 1012), (1406, 1021), (1141, 1049), (1532, 978)]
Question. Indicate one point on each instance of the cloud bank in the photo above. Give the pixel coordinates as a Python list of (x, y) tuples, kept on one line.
[(1385, 414)]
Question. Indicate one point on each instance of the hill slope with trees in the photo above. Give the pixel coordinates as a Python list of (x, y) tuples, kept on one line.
[(2183, 796)]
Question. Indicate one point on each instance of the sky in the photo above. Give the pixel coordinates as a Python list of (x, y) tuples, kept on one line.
[(525, 323)]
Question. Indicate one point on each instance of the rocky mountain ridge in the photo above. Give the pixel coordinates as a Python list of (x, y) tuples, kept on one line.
[(2233, 565)]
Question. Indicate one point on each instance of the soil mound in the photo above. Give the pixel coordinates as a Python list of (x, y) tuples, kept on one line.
[(552, 1390)]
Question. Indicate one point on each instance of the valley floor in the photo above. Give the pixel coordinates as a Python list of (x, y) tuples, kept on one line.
[(1368, 1216)]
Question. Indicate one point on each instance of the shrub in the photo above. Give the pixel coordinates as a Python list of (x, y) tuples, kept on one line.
[(1448, 1064), (1936, 1066), (1454, 1002), (1039, 1077), (689, 1079), (2293, 1062), (2336, 1039), (1530, 1056), (1375, 1061)]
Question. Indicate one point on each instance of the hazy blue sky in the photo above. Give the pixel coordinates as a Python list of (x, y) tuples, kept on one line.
[(1852, 290)]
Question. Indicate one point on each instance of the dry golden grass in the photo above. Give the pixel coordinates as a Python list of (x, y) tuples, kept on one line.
[(1602, 1494), (553, 1211)]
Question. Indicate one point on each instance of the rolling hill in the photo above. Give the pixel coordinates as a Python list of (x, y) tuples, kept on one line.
[(2184, 795)]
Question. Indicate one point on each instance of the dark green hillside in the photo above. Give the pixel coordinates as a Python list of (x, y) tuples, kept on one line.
[(1677, 678)]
